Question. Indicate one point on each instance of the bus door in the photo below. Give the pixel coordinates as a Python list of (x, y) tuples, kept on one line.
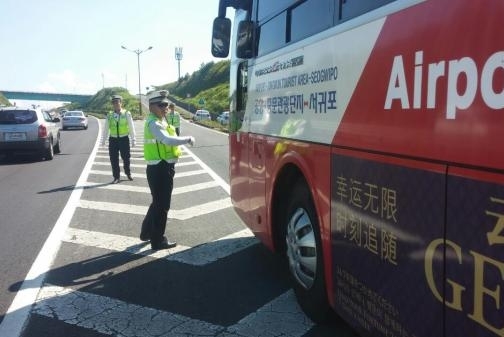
[(249, 153), (239, 141), (257, 186)]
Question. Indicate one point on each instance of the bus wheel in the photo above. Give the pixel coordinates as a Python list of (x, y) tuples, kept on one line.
[(304, 253)]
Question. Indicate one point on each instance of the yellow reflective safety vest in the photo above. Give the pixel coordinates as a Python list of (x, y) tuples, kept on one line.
[(173, 119), (119, 127), (154, 151)]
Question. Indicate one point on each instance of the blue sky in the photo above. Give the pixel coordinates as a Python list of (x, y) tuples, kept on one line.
[(74, 46)]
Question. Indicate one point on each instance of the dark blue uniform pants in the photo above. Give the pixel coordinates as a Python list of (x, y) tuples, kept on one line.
[(119, 145), (160, 179)]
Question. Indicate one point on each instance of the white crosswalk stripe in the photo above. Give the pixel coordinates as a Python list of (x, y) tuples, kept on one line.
[(132, 158), (141, 189), (183, 214), (102, 163), (116, 243), (197, 256), (143, 175), (118, 318)]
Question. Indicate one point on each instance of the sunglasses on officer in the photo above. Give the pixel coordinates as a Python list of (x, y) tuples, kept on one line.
[(162, 105)]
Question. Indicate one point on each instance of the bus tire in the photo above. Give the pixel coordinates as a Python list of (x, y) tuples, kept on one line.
[(304, 255)]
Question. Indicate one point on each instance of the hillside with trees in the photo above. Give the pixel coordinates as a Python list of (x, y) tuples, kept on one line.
[(209, 84)]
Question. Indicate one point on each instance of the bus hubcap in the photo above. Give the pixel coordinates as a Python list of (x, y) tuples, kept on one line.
[(302, 248)]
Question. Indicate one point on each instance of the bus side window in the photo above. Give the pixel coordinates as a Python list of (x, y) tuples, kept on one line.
[(351, 8), (272, 34), (310, 17), (267, 8), (293, 22)]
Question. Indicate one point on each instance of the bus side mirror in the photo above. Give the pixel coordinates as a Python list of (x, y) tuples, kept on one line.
[(221, 34), (245, 41)]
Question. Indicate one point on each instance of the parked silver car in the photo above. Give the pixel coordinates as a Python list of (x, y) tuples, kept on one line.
[(223, 118), (74, 119), (202, 115), (29, 130)]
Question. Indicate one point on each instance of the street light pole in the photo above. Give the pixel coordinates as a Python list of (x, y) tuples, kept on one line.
[(138, 52), (178, 57)]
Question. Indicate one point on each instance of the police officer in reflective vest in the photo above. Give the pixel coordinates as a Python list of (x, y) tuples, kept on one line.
[(161, 152), (119, 128), (173, 118)]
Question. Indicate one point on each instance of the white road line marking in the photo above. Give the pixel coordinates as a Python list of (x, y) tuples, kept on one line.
[(197, 256), (201, 209), (113, 207), (138, 158), (194, 187), (143, 175), (183, 214), (280, 317), (18, 312), (212, 173), (140, 189), (118, 243), (144, 165), (218, 249), (113, 317), (101, 163), (118, 187), (132, 158), (186, 163)]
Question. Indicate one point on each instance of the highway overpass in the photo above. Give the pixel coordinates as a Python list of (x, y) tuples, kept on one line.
[(45, 96)]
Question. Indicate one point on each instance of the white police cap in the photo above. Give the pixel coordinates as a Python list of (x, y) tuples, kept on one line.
[(159, 96)]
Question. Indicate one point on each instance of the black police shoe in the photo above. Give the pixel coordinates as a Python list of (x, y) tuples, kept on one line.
[(165, 244)]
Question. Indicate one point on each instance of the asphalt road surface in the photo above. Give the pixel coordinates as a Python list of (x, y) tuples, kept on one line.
[(90, 275)]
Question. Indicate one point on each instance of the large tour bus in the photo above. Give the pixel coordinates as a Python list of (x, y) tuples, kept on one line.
[(367, 145)]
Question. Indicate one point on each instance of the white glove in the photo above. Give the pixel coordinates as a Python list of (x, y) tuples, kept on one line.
[(133, 143), (191, 141)]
